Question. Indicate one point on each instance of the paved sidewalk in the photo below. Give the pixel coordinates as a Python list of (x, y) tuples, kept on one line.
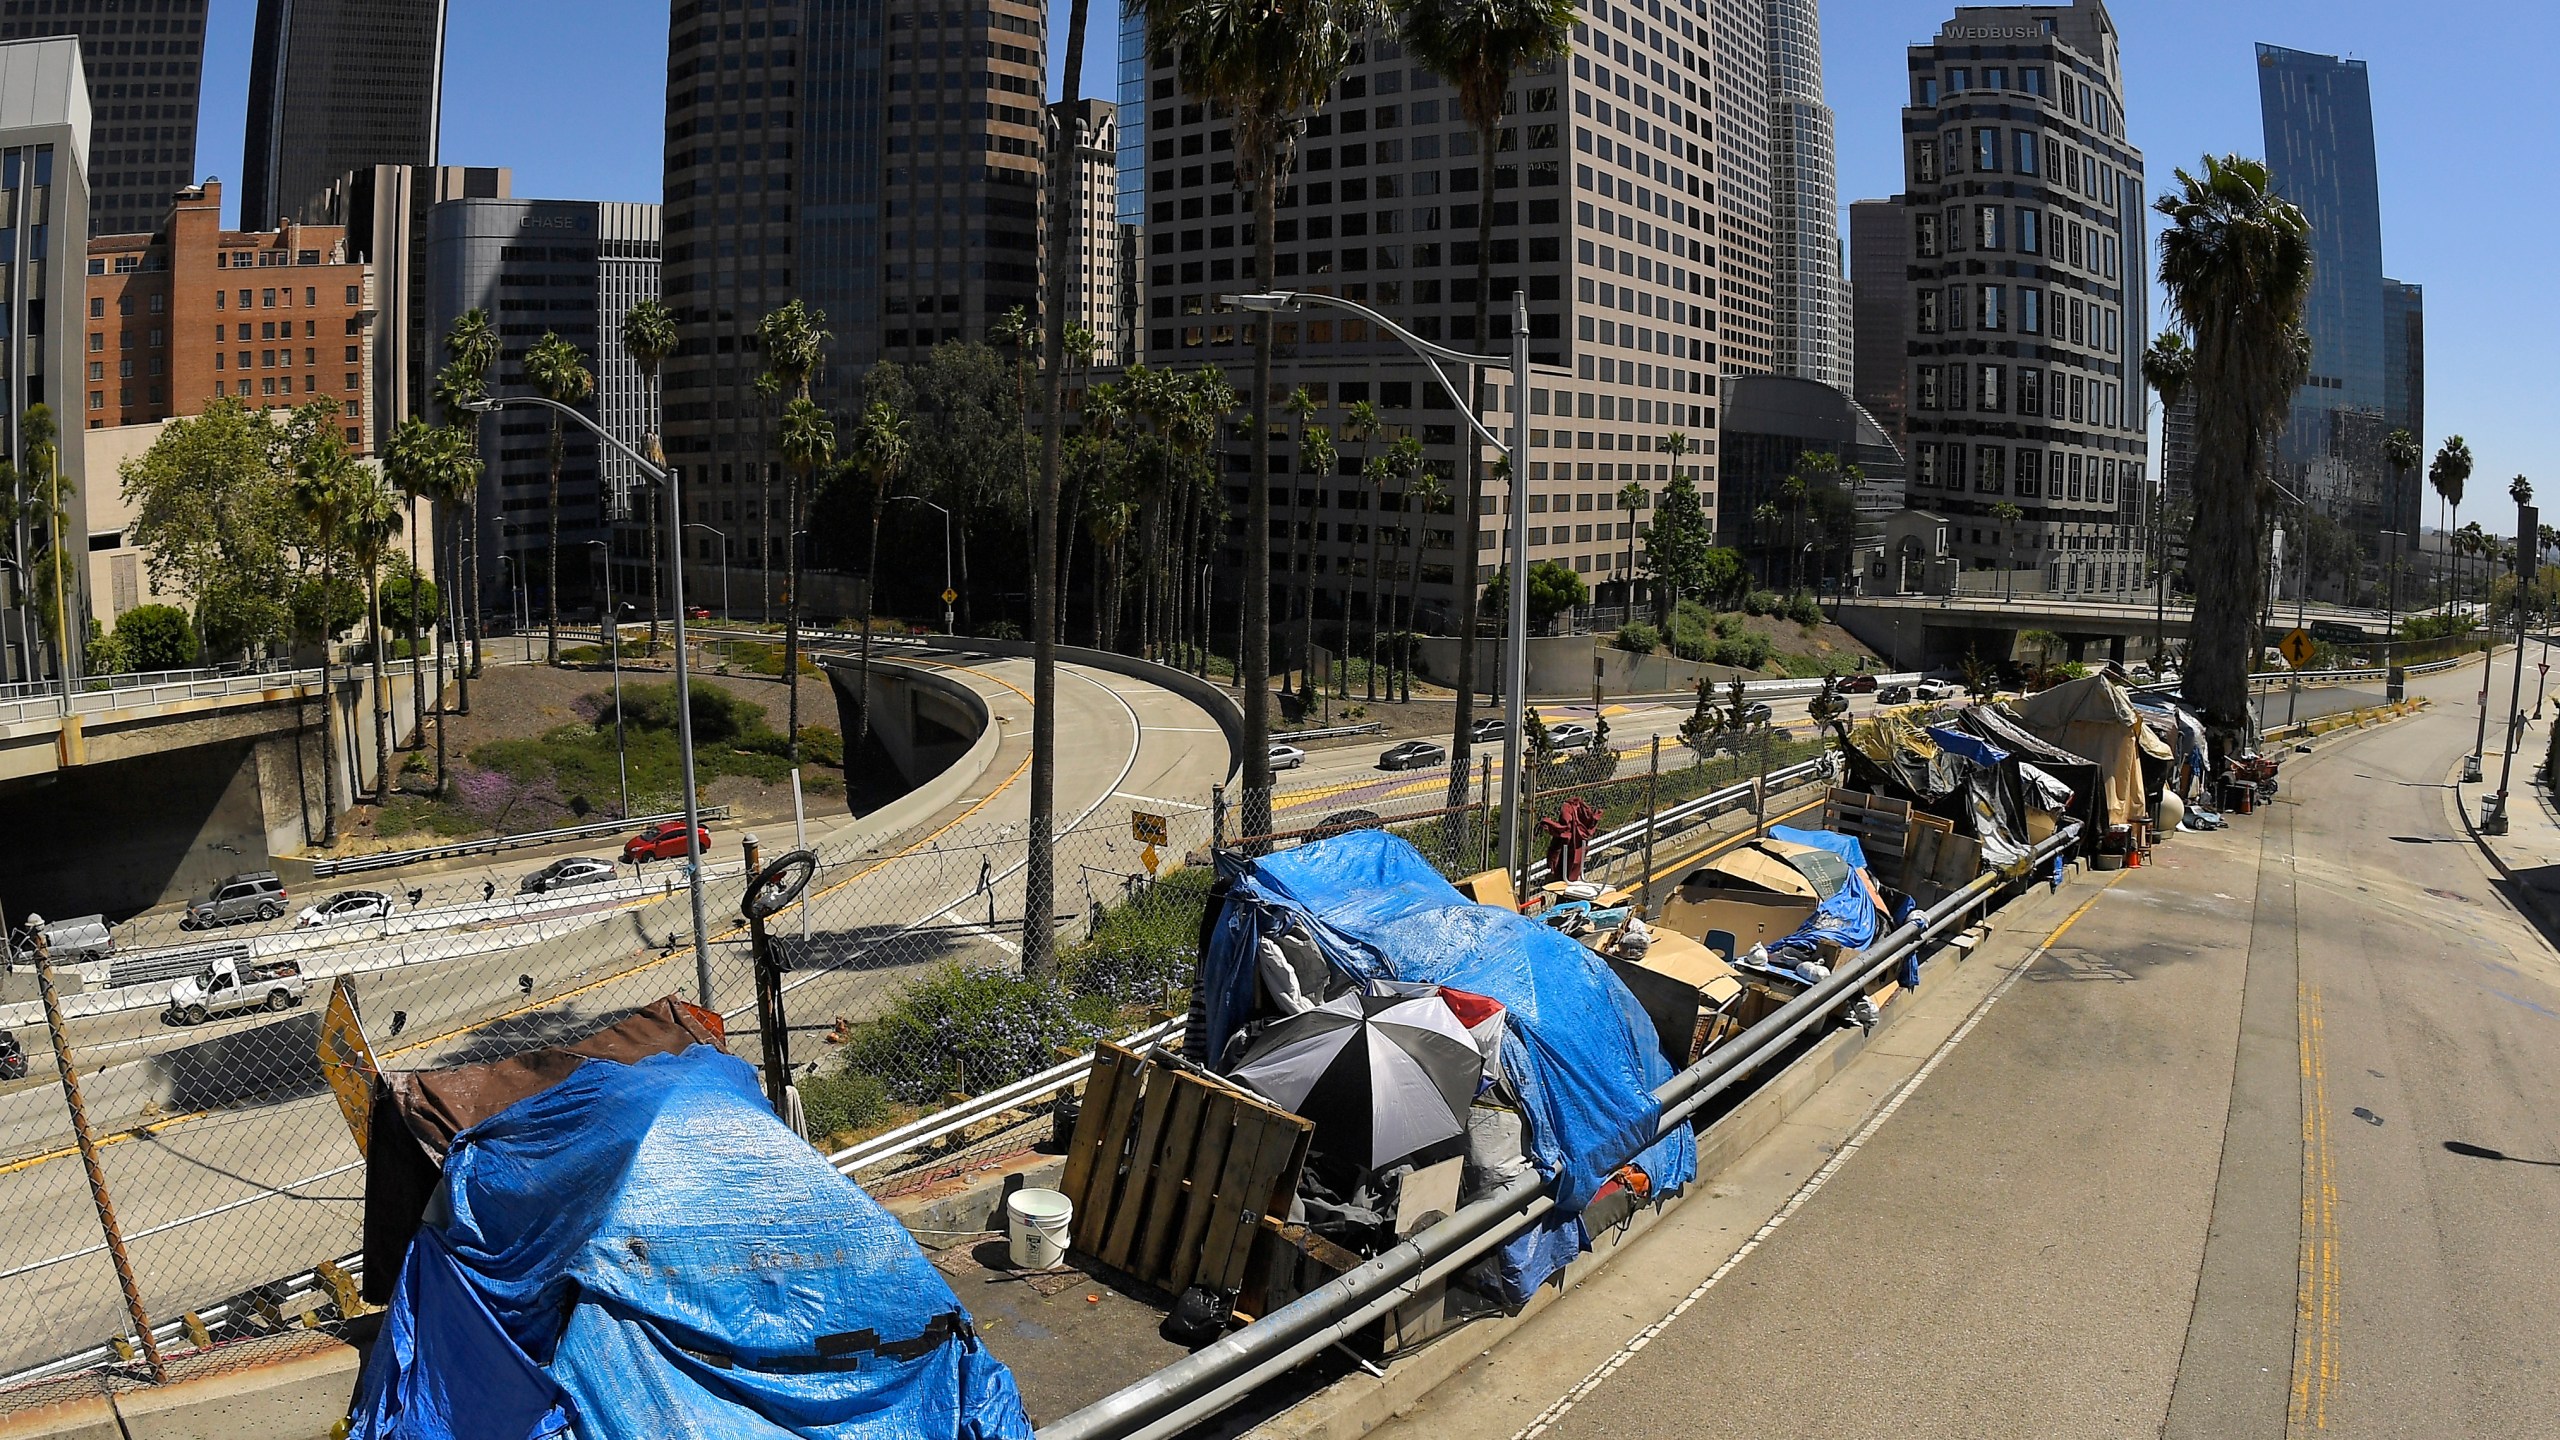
[(2528, 855)]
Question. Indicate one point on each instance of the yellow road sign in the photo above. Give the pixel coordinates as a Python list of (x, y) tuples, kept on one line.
[(950, 595), (346, 1061), (2297, 649), (1149, 858), (1148, 829)]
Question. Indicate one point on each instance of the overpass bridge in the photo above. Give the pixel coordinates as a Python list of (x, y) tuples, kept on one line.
[(1928, 632)]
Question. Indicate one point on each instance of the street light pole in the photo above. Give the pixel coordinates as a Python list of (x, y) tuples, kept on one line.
[(1516, 660), (668, 476), (949, 627), (723, 538)]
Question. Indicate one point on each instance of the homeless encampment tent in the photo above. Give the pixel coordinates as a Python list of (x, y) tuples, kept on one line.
[(2094, 717), (1973, 787), (623, 1240), (1577, 1052), (1996, 724)]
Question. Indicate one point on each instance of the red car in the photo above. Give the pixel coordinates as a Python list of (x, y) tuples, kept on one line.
[(1862, 684), (663, 842)]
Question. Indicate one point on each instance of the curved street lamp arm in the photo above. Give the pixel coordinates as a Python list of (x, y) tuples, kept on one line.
[(1432, 354), (650, 470)]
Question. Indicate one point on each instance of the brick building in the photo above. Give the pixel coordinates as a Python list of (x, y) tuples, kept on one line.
[(176, 317)]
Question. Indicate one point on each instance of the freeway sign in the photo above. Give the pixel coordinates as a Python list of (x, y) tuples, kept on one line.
[(346, 1061), (1147, 829), (2297, 649)]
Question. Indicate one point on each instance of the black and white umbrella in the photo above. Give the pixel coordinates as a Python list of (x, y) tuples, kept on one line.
[(1381, 1076)]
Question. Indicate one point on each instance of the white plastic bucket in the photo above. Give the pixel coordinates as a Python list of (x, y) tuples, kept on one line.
[(1036, 1224)]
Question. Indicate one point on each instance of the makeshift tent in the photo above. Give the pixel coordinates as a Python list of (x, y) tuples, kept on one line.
[(1889, 755), (2087, 784), (641, 1248), (1381, 1076), (1760, 893), (1848, 916), (2093, 717), (1577, 1051)]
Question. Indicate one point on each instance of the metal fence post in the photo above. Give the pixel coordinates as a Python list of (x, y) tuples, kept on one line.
[(1652, 808), (1484, 804), (89, 1158), (1217, 818), (1760, 790), (1513, 827)]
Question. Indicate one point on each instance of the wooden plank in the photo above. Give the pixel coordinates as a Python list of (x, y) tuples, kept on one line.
[(1217, 1135), (1144, 1163), (1087, 1140), (1102, 1185), (1153, 1257), (1243, 1195)]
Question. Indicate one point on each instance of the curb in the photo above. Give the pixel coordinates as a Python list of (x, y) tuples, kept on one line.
[(2524, 897)]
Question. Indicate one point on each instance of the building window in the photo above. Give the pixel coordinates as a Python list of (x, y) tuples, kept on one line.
[(2024, 144), (2030, 310), (1989, 471), (1991, 317), (1924, 160), (2030, 232), (1955, 227), (1954, 478), (1924, 236), (2030, 393), (1928, 388), (1926, 459), (1959, 78), (1990, 394), (1986, 150), (1955, 307), (1928, 312), (2029, 466), (1986, 227)]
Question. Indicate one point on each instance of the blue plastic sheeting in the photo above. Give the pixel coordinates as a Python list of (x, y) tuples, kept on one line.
[(1848, 916), (1578, 1050), (644, 1250), (1972, 747)]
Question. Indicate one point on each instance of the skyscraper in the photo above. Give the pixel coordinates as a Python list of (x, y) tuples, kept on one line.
[(2318, 115), (2027, 305), (44, 244), (2404, 381), (334, 86), (879, 159), (1804, 201), (1744, 205), (1093, 286), (384, 211), (1603, 173), (143, 71), (1880, 290)]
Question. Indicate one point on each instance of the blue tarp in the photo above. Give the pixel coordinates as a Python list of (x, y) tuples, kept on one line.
[(644, 1250), (1578, 1050), (1846, 916), (1972, 747)]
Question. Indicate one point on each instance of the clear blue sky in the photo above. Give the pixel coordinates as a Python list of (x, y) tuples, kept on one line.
[(569, 92)]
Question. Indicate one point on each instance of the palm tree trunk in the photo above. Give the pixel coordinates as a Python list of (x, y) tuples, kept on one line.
[(551, 561), (870, 605), (1072, 504), (655, 520), (417, 633), (791, 612), (466, 603), (968, 615), (764, 542), (381, 687), (1377, 507), (1412, 598), (1461, 740), (328, 730), (1254, 665), (447, 596)]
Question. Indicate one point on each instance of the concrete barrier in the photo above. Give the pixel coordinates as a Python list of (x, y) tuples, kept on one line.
[(1207, 694), (954, 780)]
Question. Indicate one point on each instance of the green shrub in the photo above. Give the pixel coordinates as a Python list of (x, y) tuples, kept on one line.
[(969, 1031), (1145, 947), (1743, 652), (1805, 610), (843, 1101), (1762, 602), (717, 714), (156, 637), (1638, 638)]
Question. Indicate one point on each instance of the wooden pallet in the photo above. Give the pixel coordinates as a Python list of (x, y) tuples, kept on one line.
[(1882, 827), (1174, 1175)]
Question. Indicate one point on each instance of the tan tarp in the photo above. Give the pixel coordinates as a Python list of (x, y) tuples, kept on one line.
[(2094, 717)]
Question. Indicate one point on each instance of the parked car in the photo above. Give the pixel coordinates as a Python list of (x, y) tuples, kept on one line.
[(1570, 736), (229, 985), (347, 907), (1489, 729), (1935, 690), (696, 612), (1413, 755), (1859, 684), (663, 841), (568, 874), (13, 1059), (2169, 676), (1341, 822), (253, 895), (84, 938), (1894, 695), (1287, 757)]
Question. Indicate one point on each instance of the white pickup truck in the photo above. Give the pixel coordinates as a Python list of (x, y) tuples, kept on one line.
[(227, 986)]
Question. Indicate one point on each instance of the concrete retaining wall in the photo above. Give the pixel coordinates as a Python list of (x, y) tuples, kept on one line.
[(1209, 695), (945, 786)]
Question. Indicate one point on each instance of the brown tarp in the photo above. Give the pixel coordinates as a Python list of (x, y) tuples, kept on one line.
[(2094, 717)]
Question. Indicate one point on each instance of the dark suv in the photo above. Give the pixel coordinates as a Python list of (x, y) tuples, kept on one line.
[(256, 895), (13, 1061)]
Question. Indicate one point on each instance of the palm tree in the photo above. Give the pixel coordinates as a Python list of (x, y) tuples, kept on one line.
[(769, 394), (1423, 494), (322, 491), (471, 352), (559, 370), (1478, 47), (408, 461), (1265, 66), (880, 448), (453, 469), (2236, 262), (372, 522), (2167, 365), (1764, 519), (1301, 407), (808, 446), (1360, 423), (1631, 498), (2007, 516), (649, 338), (2450, 470)]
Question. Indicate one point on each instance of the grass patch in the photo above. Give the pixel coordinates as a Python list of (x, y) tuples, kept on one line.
[(757, 657)]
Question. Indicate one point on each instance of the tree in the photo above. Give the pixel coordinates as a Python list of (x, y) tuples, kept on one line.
[(1423, 495), (649, 338), (372, 523), (1477, 48), (2236, 262), (410, 461), (2450, 470), (1553, 589), (215, 519), (156, 637), (406, 592), (808, 446), (45, 507), (2400, 451), (880, 449), (1265, 66), (1360, 423), (1631, 498), (471, 351), (323, 496), (1722, 577), (1676, 545), (559, 370)]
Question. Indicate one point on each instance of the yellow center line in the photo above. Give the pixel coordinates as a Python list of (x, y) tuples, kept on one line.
[(2317, 1307)]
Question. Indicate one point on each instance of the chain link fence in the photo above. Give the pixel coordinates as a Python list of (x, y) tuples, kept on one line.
[(230, 1166)]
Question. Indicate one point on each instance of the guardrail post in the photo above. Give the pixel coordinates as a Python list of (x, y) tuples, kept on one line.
[(1652, 809), (89, 1160)]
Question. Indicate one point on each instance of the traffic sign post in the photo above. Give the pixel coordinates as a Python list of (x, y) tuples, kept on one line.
[(2298, 649)]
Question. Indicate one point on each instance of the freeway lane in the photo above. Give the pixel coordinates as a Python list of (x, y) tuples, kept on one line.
[(2191, 1176), (282, 1162)]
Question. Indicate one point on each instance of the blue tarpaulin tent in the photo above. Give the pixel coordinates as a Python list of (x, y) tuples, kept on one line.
[(642, 1249), (1578, 1051), (1846, 915)]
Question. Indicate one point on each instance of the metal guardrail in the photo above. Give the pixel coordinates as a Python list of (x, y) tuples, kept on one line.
[(1707, 806), (1030, 1090), (1225, 1371), (393, 859), (1336, 732)]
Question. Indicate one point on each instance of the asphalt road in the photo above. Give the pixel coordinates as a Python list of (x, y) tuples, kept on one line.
[(240, 1126), (2212, 1166)]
